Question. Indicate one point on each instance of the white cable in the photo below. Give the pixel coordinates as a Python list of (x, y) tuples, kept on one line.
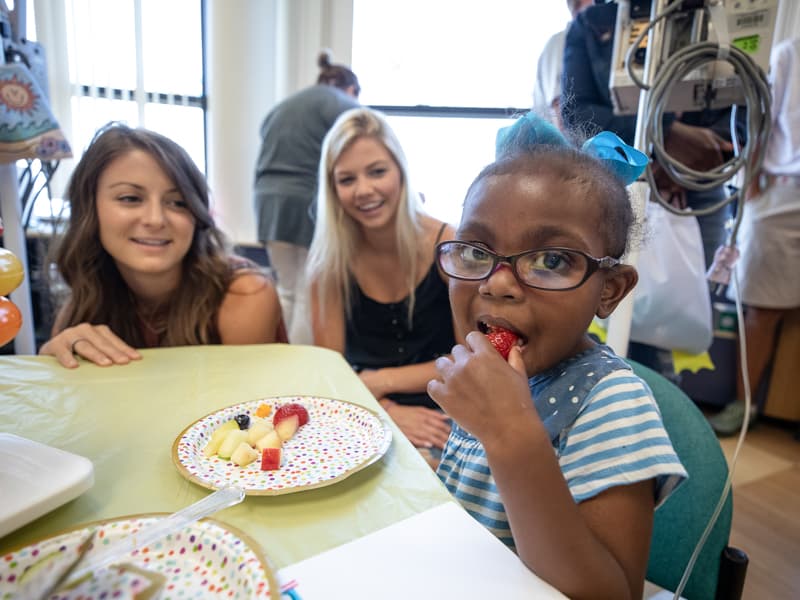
[(742, 434), (750, 156)]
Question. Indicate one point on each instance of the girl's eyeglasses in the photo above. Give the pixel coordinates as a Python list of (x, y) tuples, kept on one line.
[(557, 269)]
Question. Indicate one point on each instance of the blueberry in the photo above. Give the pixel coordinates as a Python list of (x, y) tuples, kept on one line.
[(243, 421)]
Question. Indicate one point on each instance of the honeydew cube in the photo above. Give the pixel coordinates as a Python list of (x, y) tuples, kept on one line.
[(257, 430), (231, 442), (270, 440), (244, 454), (217, 437)]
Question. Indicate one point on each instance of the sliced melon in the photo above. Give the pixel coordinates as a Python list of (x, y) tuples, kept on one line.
[(231, 442), (244, 454), (216, 439), (258, 429)]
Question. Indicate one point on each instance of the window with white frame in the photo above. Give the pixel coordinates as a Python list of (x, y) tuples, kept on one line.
[(449, 74), (139, 61), (128, 61)]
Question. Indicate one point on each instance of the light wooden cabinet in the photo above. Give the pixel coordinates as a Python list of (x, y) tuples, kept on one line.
[(783, 397)]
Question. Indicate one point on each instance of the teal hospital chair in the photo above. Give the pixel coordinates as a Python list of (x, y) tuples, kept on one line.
[(678, 524)]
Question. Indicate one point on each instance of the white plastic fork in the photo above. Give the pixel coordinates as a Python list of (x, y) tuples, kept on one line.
[(222, 498)]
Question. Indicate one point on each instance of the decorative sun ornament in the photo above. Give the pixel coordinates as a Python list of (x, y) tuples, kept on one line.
[(28, 128), (18, 95)]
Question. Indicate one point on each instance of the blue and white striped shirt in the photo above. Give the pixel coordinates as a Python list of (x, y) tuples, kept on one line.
[(606, 431)]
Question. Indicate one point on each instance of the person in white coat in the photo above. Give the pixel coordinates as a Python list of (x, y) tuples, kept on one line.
[(547, 91)]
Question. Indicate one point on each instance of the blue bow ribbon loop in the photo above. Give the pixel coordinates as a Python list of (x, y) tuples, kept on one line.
[(529, 131), (625, 161)]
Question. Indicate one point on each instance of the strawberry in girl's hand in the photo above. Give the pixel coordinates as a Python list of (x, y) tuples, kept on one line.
[(502, 340)]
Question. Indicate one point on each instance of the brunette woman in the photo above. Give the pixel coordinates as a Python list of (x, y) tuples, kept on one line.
[(144, 262)]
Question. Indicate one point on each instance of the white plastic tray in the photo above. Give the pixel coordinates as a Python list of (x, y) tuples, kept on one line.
[(36, 478)]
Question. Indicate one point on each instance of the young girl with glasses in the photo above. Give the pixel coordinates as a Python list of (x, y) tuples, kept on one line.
[(376, 293), (560, 449)]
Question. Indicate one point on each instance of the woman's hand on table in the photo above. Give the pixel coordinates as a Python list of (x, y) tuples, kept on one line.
[(95, 343), (424, 427)]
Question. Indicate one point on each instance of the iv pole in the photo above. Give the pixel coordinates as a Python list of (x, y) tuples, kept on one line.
[(619, 323), (11, 212)]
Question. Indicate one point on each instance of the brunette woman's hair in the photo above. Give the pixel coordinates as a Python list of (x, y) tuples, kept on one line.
[(336, 75), (97, 292)]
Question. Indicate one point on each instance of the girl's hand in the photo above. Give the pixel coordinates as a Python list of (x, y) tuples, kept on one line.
[(483, 393), (424, 427), (95, 343)]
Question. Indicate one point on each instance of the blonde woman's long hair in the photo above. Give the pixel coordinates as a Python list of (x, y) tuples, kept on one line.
[(334, 244)]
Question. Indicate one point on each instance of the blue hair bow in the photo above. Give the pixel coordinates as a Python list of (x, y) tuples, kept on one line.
[(532, 130), (528, 131), (625, 161)]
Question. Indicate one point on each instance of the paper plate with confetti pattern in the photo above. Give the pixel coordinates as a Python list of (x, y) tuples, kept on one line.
[(206, 559), (339, 439)]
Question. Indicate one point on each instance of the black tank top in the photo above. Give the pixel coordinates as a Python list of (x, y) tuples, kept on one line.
[(378, 334)]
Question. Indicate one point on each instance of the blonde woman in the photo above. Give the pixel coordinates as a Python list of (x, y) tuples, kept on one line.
[(376, 294)]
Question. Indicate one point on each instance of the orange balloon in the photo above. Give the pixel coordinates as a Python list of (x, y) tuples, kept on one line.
[(11, 272), (10, 320)]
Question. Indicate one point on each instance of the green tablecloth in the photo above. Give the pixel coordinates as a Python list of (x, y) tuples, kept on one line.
[(126, 418)]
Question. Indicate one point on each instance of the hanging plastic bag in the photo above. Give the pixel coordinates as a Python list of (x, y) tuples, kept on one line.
[(672, 304)]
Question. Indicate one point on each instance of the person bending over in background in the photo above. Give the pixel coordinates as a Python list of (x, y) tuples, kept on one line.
[(144, 262), (376, 294), (559, 449), (286, 181)]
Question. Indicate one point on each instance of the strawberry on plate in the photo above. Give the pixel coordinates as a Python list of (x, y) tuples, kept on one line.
[(287, 410), (502, 339)]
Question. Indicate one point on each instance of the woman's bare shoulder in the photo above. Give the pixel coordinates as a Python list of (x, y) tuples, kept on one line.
[(435, 231), (249, 281), (250, 312)]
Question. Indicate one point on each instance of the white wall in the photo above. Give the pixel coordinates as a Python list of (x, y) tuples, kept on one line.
[(241, 67)]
